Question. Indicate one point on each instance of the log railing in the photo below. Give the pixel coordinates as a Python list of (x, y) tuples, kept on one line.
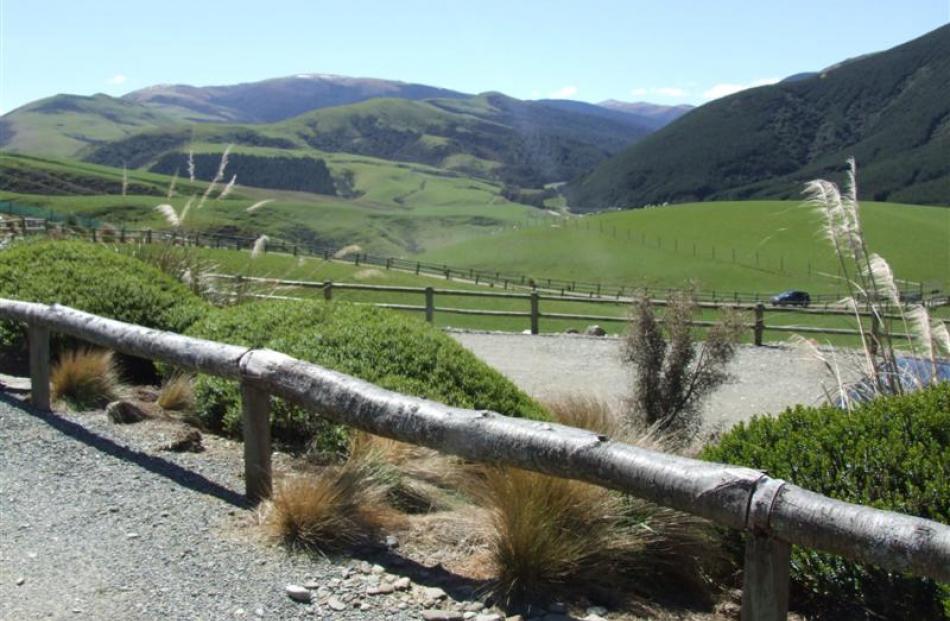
[(775, 514)]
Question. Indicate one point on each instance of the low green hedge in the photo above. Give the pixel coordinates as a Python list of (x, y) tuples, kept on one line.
[(391, 350), (96, 278), (892, 453)]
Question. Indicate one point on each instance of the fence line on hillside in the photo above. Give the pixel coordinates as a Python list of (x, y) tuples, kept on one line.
[(534, 314), (773, 513), (491, 278)]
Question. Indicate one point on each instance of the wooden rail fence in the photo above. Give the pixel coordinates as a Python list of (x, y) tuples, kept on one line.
[(493, 278), (534, 313), (775, 514)]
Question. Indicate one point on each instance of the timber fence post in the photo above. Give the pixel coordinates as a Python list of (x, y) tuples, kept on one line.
[(39, 366), (759, 322), (327, 290), (255, 404), (430, 304), (765, 578), (534, 312), (875, 334)]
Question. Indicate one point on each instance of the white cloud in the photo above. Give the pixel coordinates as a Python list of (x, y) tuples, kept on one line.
[(725, 88), (117, 79), (669, 91), (639, 92), (564, 93)]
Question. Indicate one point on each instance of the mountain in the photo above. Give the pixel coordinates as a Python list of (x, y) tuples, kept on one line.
[(62, 125), (490, 135), (891, 110), (655, 115), (275, 99)]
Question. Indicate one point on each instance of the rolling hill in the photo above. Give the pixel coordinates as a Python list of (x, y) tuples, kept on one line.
[(891, 110), (276, 99), (489, 136)]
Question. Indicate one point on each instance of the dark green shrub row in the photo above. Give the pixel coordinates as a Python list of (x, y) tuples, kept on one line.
[(306, 174), (94, 278), (383, 347), (893, 453)]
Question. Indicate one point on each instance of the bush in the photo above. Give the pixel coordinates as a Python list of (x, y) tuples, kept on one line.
[(94, 278), (892, 453), (382, 347)]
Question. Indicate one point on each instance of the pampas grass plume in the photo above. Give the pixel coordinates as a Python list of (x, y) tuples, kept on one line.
[(168, 212), (259, 204), (259, 246)]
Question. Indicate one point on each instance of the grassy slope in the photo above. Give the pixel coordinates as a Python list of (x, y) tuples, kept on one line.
[(62, 125), (913, 238), (403, 208)]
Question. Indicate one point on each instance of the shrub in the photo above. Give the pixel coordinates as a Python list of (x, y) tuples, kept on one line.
[(892, 453), (673, 373), (85, 379), (94, 278), (393, 351)]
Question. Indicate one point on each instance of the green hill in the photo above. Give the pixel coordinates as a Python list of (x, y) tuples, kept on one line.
[(890, 110)]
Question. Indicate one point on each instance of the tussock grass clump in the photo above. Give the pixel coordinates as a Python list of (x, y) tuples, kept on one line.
[(177, 394), (550, 535), (85, 379), (338, 506)]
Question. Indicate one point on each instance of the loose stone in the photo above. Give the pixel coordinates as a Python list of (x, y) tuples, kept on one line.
[(298, 593)]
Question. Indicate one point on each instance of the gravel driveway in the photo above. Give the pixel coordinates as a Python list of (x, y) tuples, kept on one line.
[(96, 523), (766, 380)]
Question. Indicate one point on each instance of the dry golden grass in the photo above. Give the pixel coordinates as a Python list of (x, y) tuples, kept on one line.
[(334, 507), (85, 378), (177, 394), (556, 536)]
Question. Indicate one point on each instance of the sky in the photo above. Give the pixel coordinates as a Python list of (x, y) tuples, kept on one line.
[(669, 52)]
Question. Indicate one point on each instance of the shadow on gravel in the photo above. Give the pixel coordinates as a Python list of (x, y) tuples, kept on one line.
[(459, 588), (156, 465)]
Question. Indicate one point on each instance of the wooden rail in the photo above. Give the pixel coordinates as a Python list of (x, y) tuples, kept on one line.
[(534, 313), (775, 514)]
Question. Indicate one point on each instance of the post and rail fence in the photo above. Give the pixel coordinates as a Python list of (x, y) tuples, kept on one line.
[(490, 278), (773, 513), (534, 313)]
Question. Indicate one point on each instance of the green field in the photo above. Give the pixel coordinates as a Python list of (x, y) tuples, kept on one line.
[(401, 208), (750, 246)]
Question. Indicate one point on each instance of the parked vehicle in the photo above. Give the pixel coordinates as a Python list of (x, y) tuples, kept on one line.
[(792, 298)]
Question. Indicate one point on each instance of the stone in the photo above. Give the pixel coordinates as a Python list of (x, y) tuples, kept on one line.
[(391, 542), (378, 569), (383, 589), (124, 412), (336, 604), (298, 593), (514, 618), (185, 441), (442, 615), (488, 617), (597, 611), (473, 606), (433, 593), (594, 330), (571, 331), (20, 581), (402, 584), (312, 585), (593, 618)]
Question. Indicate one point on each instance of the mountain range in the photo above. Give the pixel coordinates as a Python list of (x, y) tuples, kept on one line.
[(890, 110)]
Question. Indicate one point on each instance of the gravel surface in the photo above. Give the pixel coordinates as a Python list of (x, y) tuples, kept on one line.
[(97, 523), (765, 380)]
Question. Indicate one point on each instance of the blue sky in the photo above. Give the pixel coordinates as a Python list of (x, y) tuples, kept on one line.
[(672, 51)]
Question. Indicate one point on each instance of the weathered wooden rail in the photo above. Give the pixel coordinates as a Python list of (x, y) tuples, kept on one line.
[(534, 313), (775, 514)]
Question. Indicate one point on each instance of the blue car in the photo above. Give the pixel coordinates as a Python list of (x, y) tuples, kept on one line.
[(792, 298)]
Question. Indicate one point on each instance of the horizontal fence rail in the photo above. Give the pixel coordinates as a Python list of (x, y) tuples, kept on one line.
[(493, 278), (535, 314), (774, 513)]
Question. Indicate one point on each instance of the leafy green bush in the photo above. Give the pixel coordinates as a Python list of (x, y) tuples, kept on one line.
[(382, 347), (892, 453), (94, 278)]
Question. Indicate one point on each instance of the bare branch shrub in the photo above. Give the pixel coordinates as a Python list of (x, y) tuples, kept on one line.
[(673, 370)]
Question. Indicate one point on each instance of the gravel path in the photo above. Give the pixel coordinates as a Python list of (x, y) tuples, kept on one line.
[(96, 523), (766, 380)]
